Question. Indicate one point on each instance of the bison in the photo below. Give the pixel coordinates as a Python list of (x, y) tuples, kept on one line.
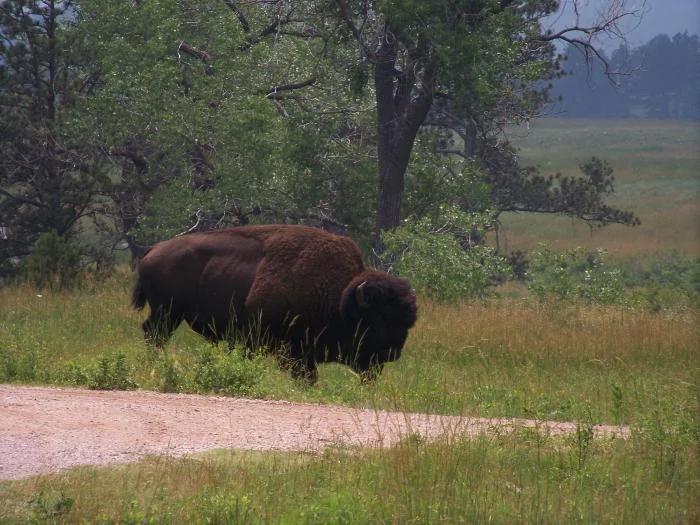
[(303, 291)]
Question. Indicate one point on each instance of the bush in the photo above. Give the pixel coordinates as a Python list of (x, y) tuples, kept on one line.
[(53, 263), (18, 365), (574, 273), (668, 271), (445, 263), (111, 373), (228, 374)]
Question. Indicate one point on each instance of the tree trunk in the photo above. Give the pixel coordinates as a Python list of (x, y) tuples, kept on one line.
[(401, 109)]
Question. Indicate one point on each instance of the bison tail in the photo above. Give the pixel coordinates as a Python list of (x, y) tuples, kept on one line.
[(138, 298)]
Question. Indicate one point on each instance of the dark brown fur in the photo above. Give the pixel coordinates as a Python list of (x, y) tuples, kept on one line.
[(295, 286)]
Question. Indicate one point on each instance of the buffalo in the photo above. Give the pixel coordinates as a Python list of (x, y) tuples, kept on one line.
[(304, 292)]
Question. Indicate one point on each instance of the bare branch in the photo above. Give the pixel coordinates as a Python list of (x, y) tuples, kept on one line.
[(200, 216), (272, 93), (239, 14), (608, 22), (204, 56)]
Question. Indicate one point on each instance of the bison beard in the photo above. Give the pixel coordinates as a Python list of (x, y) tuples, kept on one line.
[(303, 291)]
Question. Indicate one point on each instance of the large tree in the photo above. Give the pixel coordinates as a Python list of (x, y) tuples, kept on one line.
[(222, 112), (214, 114), (47, 182), (481, 56)]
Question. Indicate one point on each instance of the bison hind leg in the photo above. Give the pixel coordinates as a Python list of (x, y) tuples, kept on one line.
[(160, 325)]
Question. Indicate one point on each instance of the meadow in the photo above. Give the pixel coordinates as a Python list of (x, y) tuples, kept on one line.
[(516, 355), (657, 170)]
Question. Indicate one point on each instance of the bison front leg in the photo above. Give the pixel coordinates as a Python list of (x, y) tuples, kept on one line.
[(304, 370)]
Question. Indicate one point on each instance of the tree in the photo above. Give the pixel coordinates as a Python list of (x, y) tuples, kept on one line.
[(660, 81), (209, 113), (214, 113), (666, 81), (47, 182), (471, 53), (586, 91)]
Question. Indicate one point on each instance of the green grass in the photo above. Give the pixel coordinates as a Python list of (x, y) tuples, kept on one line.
[(512, 479), (657, 170), (506, 358), (520, 358)]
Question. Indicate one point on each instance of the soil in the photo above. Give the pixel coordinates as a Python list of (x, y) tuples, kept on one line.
[(45, 430)]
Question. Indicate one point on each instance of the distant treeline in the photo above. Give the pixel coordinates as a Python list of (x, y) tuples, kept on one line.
[(660, 79)]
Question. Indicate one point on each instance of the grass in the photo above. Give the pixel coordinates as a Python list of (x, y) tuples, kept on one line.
[(507, 357), (512, 356), (511, 479), (657, 170)]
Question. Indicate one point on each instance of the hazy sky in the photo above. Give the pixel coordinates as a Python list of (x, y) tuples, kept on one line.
[(660, 16)]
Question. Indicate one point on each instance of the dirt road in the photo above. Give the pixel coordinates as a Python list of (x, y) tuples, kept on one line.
[(50, 429)]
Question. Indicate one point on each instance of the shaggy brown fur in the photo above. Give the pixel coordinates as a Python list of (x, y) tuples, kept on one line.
[(296, 287)]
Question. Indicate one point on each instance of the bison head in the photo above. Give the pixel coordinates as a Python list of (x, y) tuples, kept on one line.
[(377, 310)]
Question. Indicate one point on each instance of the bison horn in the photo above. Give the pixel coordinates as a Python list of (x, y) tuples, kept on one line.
[(360, 296)]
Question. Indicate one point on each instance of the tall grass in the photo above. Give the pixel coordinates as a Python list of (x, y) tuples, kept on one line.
[(502, 358), (515, 358), (524, 478)]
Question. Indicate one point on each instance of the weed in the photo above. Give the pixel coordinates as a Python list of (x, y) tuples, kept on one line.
[(617, 402), (226, 373), (111, 373), (168, 372), (44, 509)]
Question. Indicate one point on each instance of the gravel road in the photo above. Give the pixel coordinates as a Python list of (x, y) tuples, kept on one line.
[(46, 430)]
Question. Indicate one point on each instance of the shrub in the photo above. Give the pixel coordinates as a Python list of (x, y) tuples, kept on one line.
[(447, 262), (15, 365), (53, 263), (669, 271), (111, 373), (229, 374), (574, 273)]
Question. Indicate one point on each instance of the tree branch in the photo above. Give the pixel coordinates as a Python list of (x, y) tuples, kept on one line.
[(23, 200), (272, 93), (270, 29), (582, 36), (239, 14), (204, 56), (346, 16)]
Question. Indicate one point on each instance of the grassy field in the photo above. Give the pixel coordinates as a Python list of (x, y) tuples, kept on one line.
[(509, 356), (562, 361), (657, 169)]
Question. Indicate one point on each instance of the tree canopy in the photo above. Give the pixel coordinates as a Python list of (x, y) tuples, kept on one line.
[(140, 120)]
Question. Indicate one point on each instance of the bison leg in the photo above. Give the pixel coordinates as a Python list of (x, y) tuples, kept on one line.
[(160, 325), (305, 372), (302, 369)]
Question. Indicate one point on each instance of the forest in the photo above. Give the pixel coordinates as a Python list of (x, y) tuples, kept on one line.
[(660, 79)]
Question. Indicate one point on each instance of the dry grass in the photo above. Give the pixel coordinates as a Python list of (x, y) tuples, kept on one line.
[(657, 169)]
